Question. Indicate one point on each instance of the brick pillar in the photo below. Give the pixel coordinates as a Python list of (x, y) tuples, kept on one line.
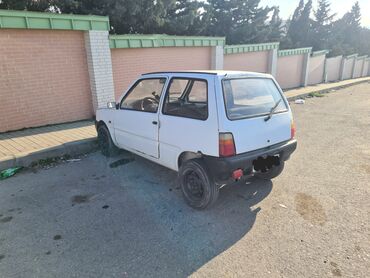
[(342, 68), (272, 62), (353, 68), (100, 68), (325, 76), (217, 62), (306, 66), (362, 67)]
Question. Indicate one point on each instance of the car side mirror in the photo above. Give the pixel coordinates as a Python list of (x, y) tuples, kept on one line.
[(112, 105)]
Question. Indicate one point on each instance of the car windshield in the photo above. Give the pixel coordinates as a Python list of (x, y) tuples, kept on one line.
[(250, 97)]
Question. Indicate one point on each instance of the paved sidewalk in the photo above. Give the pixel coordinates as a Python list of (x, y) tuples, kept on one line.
[(304, 91), (21, 148)]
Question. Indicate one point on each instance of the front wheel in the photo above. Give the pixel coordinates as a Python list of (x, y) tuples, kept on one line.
[(197, 185), (272, 173), (105, 142)]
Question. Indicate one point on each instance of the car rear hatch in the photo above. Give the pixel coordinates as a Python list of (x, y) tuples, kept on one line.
[(257, 114)]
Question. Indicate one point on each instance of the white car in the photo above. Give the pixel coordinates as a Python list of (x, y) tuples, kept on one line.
[(212, 127)]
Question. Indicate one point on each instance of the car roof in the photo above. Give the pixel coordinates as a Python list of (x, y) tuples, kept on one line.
[(223, 73)]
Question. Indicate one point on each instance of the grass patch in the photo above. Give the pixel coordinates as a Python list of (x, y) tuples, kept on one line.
[(316, 94), (50, 161)]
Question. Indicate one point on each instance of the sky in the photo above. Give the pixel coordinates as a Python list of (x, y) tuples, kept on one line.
[(340, 7)]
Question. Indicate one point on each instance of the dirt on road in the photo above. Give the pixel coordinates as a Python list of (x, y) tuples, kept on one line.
[(88, 219)]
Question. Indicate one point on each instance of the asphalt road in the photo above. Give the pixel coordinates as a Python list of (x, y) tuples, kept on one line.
[(86, 219)]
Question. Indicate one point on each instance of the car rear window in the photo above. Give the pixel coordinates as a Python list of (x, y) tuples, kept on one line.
[(251, 97)]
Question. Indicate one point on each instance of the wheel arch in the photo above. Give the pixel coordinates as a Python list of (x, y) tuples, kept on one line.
[(100, 123), (187, 155), (110, 130)]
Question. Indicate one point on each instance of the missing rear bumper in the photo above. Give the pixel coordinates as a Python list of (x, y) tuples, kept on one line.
[(222, 168), (264, 164)]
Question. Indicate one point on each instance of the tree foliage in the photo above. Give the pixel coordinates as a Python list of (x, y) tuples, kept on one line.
[(30, 5), (299, 30), (240, 21), (322, 25)]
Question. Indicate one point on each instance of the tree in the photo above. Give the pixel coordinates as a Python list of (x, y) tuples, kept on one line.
[(241, 21), (347, 32), (322, 26), (300, 25), (276, 26), (364, 41), (29, 5), (184, 17), (126, 16)]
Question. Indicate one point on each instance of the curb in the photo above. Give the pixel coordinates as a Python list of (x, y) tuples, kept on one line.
[(324, 91), (71, 148)]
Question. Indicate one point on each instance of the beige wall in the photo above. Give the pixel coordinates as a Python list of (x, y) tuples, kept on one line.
[(129, 64), (250, 61), (316, 70), (358, 68), (365, 71), (333, 68), (348, 68), (289, 71), (43, 78)]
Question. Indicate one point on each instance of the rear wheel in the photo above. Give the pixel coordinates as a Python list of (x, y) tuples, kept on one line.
[(198, 187), (272, 173), (105, 142)]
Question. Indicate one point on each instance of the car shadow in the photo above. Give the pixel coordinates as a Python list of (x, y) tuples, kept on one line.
[(177, 240), (117, 217)]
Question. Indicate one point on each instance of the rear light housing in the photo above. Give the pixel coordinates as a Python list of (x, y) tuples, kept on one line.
[(226, 144), (292, 130)]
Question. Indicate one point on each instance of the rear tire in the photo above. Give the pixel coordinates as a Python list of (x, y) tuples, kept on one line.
[(105, 142), (272, 173), (197, 185)]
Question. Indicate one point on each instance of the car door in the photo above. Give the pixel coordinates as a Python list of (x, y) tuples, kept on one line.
[(136, 121), (188, 118)]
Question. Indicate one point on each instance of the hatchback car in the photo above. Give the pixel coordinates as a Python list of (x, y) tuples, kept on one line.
[(212, 127)]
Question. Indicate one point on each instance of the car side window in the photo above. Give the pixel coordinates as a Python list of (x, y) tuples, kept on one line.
[(187, 98), (144, 95)]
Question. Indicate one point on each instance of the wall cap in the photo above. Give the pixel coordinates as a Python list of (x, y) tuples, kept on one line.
[(244, 48), (351, 56), (295, 51), (320, 52), (52, 21), (338, 56), (361, 57), (158, 40)]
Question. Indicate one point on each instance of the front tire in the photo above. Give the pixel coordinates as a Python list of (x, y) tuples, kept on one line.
[(272, 173), (105, 142), (197, 185)]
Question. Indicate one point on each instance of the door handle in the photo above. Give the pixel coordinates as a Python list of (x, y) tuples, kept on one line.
[(154, 122)]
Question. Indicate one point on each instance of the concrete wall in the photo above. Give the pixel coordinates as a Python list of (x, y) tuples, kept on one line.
[(348, 68), (333, 67), (129, 64), (289, 71), (44, 78), (358, 68), (249, 61), (365, 71), (316, 70)]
